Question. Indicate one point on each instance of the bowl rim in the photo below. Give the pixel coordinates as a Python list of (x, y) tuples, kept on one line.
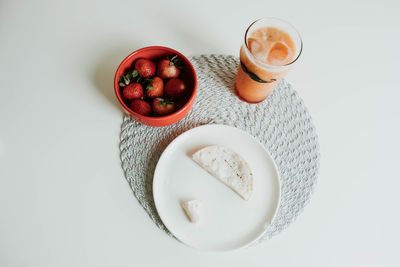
[(150, 118)]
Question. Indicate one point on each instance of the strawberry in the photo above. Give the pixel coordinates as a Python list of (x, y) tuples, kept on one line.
[(175, 87), (132, 91), (140, 106), (155, 88), (163, 106), (145, 67), (170, 67)]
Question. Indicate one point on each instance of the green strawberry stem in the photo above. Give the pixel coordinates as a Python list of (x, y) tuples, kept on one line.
[(176, 61), (134, 73), (164, 101), (131, 77)]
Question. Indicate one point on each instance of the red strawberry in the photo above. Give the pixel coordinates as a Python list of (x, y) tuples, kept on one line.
[(163, 106), (155, 88), (141, 107), (175, 87), (132, 91), (145, 67), (169, 68)]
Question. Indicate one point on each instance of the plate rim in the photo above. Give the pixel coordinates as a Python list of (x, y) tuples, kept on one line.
[(214, 125)]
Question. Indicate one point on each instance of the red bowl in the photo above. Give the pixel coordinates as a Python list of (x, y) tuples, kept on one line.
[(188, 76)]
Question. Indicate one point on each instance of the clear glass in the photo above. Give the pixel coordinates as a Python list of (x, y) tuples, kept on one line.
[(271, 46)]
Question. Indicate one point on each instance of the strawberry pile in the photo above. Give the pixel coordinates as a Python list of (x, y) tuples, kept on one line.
[(154, 89)]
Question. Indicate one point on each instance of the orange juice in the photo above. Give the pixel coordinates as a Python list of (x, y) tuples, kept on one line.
[(266, 56)]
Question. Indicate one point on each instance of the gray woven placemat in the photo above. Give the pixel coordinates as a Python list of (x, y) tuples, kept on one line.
[(282, 123)]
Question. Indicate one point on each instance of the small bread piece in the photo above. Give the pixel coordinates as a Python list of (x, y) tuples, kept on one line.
[(228, 167), (191, 209)]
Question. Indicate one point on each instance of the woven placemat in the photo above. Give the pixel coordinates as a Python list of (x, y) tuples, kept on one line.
[(282, 123)]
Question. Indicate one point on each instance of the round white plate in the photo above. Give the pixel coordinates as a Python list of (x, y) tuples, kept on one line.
[(226, 220)]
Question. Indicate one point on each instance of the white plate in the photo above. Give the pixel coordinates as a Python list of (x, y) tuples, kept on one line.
[(227, 221)]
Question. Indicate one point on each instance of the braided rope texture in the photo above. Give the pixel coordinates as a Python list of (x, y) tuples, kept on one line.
[(281, 122)]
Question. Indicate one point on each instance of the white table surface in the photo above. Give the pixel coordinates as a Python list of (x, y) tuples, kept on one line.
[(64, 200)]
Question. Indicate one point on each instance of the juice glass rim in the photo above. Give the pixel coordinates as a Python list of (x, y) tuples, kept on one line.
[(266, 64)]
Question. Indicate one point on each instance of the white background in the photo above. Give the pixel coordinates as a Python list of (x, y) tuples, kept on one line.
[(64, 200)]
